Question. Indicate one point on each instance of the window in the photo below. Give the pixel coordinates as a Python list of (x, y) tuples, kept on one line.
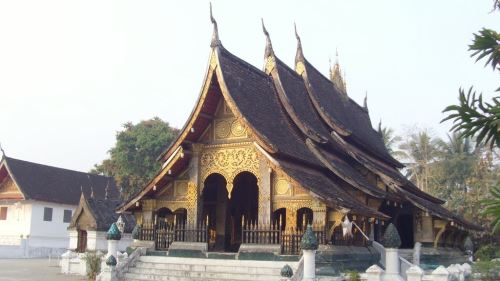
[(67, 216), (3, 213), (47, 214)]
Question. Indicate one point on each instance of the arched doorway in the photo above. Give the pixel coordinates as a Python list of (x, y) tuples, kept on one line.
[(304, 217), (215, 203), (164, 217), (244, 203), (279, 218), (180, 216)]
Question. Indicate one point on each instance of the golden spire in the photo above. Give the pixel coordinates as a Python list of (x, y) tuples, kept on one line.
[(215, 35), (336, 75), (300, 55), (269, 45)]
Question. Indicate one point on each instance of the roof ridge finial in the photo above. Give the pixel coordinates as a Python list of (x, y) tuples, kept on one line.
[(215, 36), (365, 102), (269, 46), (91, 192), (380, 126), (3, 151), (300, 53)]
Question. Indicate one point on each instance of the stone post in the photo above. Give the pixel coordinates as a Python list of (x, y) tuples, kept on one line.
[(286, 273), (374, 273), (440, 274), (309, 245), (113, 236), (391, 242), (109, 272), (414, 273)]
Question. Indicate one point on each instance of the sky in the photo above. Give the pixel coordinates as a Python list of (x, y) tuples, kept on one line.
[(73, 72)]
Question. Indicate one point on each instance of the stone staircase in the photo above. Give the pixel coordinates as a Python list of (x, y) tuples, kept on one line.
[(197, 269)]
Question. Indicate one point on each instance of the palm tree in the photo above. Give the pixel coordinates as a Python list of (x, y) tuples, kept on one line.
[(493, 207), (390, 140), (421, 151)]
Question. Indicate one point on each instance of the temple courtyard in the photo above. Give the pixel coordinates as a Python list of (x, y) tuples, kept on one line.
[(34, 270)]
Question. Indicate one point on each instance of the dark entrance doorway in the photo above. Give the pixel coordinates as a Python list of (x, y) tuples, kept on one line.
[(82, 241), (215, 203), (244, 204), (402, 218)]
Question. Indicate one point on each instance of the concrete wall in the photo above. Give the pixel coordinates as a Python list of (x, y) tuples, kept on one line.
[(96, 240), (26, 235)]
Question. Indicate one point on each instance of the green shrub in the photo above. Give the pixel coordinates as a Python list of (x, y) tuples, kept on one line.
[(487, 253), (353, 276), (93, 264), (488, 270)]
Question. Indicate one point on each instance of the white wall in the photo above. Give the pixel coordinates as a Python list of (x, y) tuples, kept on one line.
[(53, 233), (18, 223), (26, 234)]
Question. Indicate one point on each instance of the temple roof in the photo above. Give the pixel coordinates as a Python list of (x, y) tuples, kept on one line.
[(103, 213), (52, 184), (304, 125)]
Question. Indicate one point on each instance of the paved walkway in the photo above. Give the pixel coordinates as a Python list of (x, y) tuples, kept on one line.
[(33, 270)]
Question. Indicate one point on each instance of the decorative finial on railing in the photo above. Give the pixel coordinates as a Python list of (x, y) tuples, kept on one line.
[(309, 240), (113, 233), (111, 261), (391, 238), (286, 271)]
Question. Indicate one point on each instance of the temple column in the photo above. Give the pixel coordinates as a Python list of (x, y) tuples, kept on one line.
[(427, 235), (195, 210), (148, 207), (264, 183)]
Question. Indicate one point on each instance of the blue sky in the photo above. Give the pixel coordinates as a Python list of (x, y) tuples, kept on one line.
[(72, 72)]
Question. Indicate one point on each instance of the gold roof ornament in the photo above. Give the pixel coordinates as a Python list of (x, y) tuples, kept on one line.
[(336, 76), (215, 35)]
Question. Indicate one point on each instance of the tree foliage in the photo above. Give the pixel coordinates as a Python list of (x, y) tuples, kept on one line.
[(476, 118), (132, 160)]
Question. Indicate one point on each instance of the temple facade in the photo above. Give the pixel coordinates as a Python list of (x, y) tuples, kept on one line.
[(267, 151)]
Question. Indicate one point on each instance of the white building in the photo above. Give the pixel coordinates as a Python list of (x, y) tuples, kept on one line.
[(37, 203)]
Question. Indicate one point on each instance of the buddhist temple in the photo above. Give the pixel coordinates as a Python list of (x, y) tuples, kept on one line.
[(267, 151)]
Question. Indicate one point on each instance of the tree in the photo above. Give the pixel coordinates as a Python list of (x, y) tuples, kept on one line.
[(132, 160), (421, 151), (476, 118), (390, 140)]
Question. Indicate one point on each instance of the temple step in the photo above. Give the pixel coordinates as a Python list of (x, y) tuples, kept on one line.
[(194, 269)]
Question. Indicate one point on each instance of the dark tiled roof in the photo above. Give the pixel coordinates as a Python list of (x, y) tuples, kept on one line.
[(297, 97), (329, 191), (254, 95), (348, 114), (104, 213), (52, 184)]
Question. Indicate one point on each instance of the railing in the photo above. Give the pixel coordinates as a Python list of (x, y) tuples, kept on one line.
[(289, 239), (299, 272), (358, 237), (163, 234), (404, 265), (253, 233), (381, 250)]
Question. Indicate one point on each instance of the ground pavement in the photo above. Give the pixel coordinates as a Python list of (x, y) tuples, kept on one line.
[(33, 270)]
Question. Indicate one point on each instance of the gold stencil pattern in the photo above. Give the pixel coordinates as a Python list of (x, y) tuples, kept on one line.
[(229, 161)]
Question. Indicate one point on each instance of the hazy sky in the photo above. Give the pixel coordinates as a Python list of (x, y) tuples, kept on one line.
[(72, 72)]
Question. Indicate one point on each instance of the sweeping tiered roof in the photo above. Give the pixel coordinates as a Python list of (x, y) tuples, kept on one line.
[(305, 126)]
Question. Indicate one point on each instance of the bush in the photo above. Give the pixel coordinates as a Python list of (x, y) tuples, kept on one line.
[(488, 270), (93, 264), (353, 276), (487, 253)]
